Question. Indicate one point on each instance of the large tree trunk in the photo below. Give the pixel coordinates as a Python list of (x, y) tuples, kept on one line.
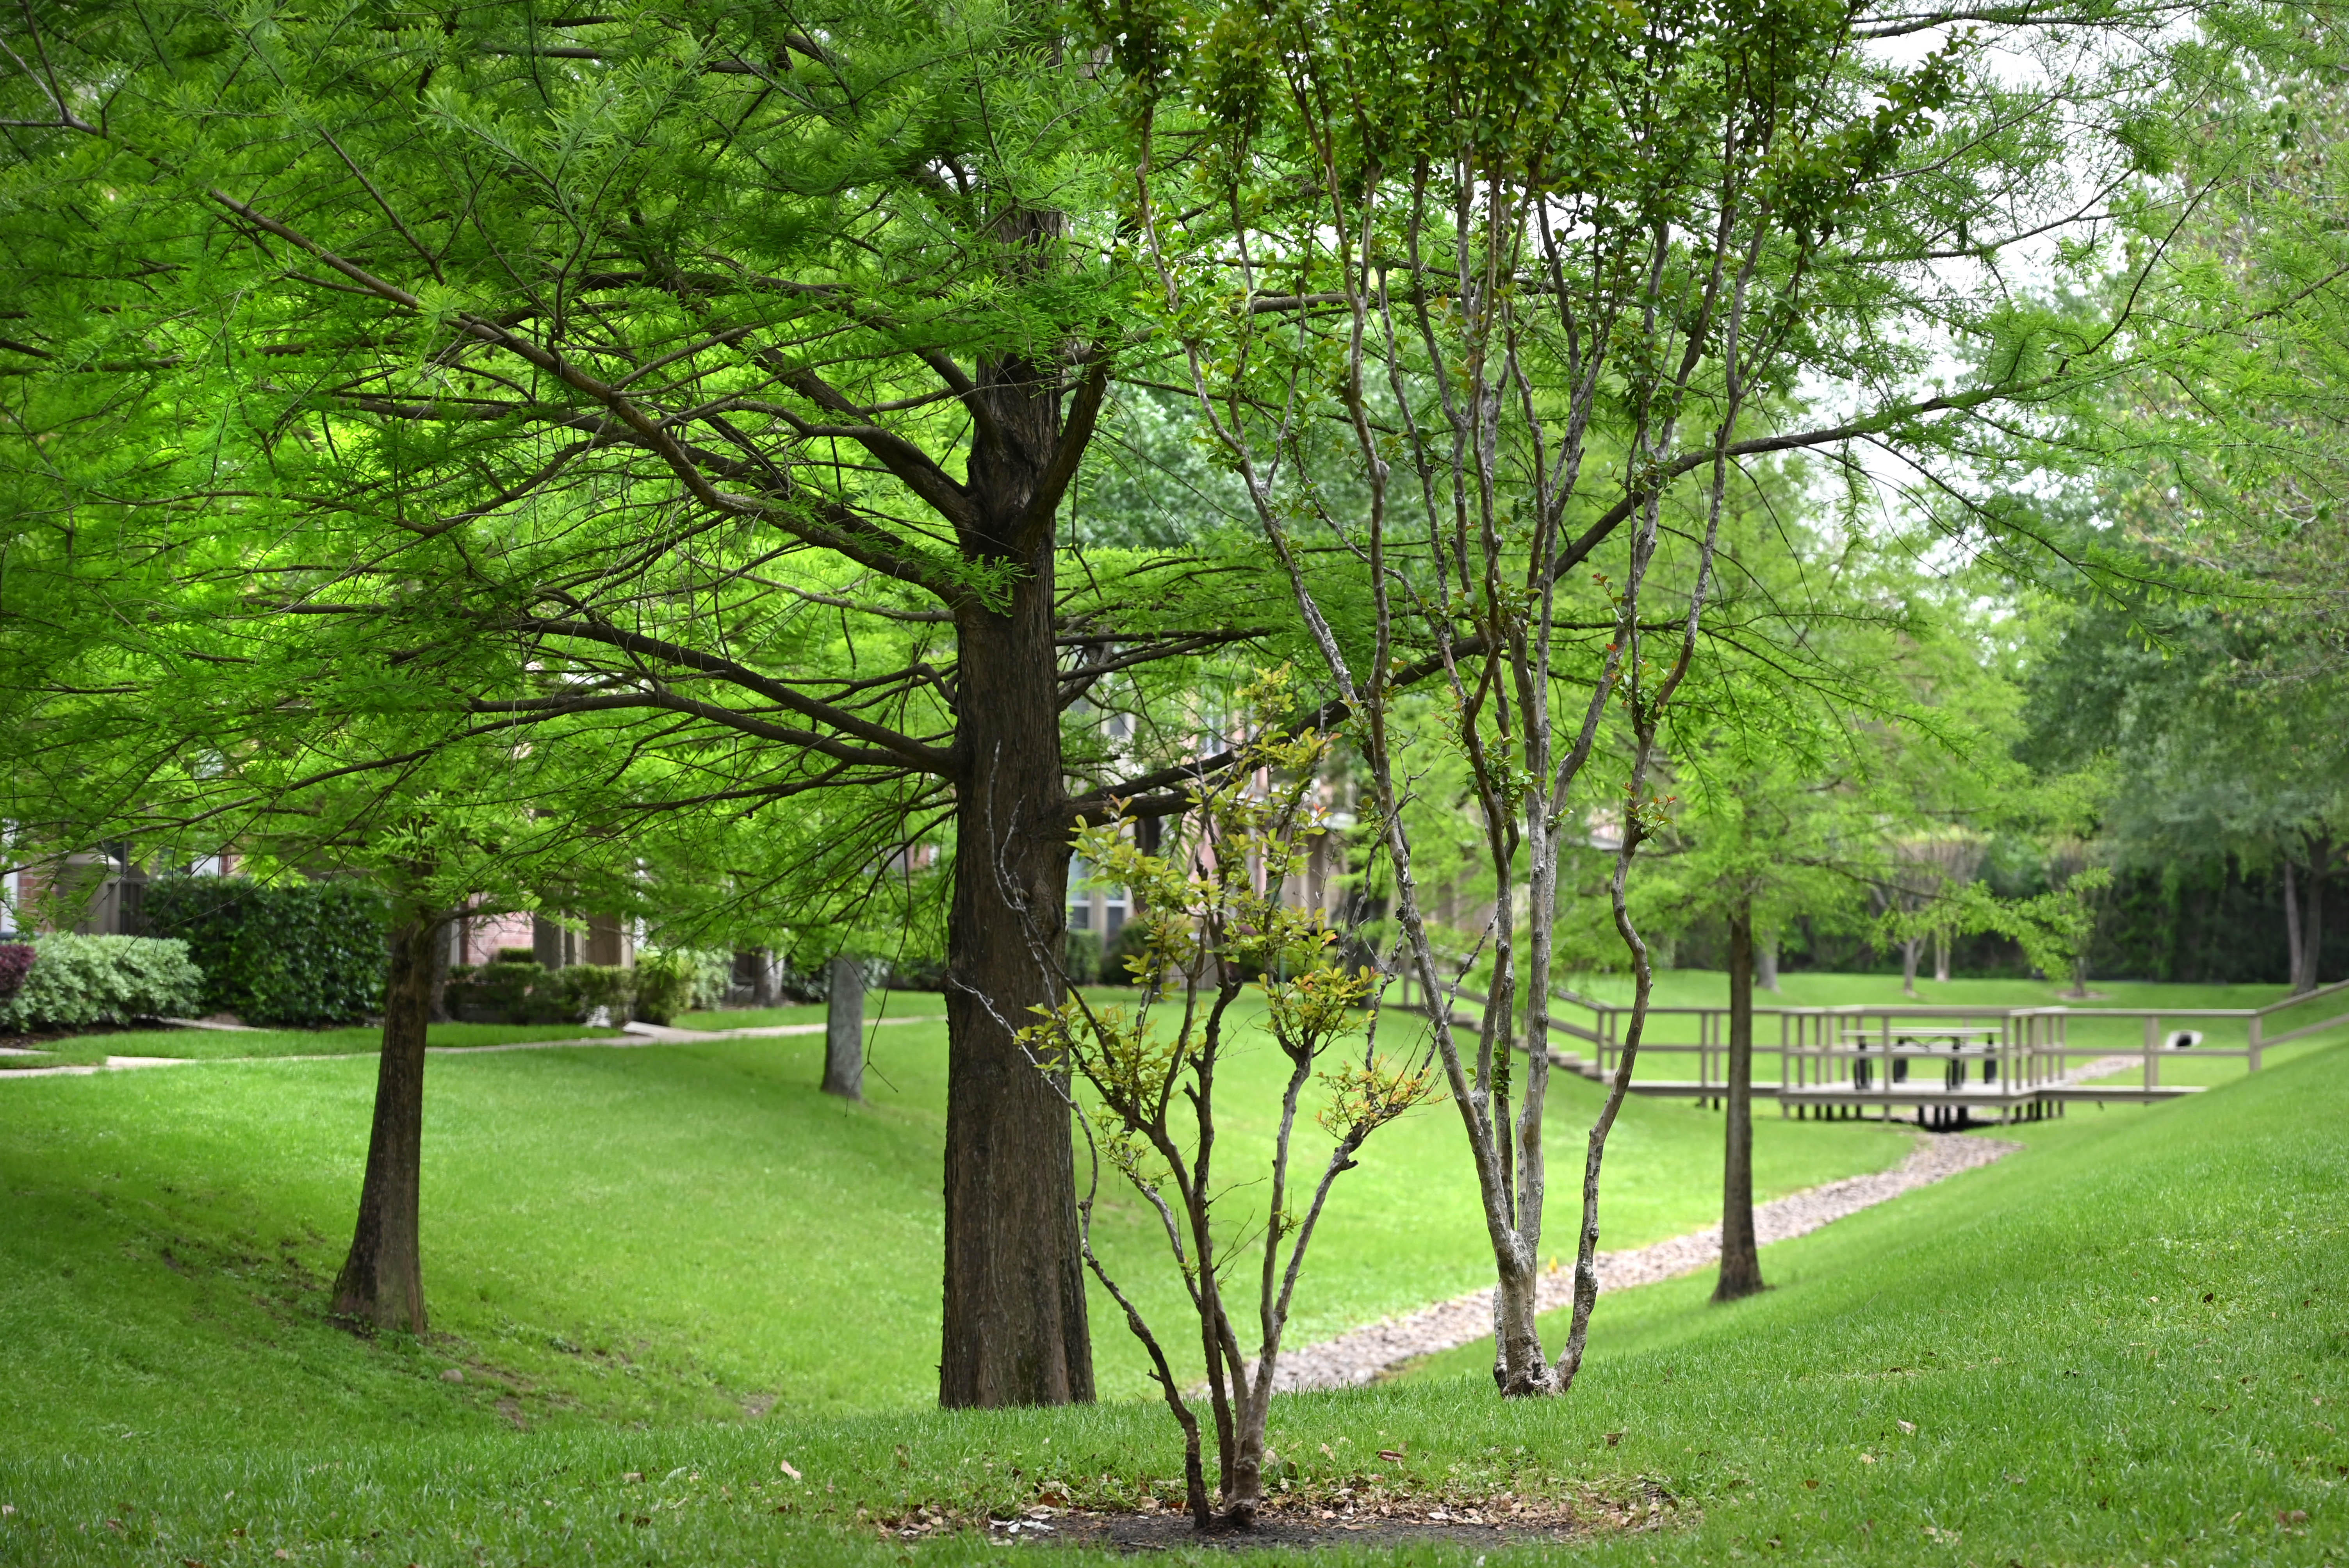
[(843, 1030), (1741, 1259), (382, 1281), (1015, 1331)]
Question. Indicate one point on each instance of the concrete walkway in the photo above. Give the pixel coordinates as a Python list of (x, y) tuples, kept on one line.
[(1365, 1353), (633, 1036)]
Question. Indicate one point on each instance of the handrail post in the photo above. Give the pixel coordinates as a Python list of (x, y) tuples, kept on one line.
[(2254, 1052), (2152, 1045)]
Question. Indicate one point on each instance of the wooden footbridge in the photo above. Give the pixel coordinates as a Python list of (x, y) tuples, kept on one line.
[(1943, 1067)]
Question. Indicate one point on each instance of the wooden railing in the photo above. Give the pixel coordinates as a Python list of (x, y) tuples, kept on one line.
[(2019, 1049)]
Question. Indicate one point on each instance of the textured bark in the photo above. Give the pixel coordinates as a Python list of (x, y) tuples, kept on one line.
[(843, 1031), (382, 1281), (2304, 914), (1741, 1260), (1014, 1329)]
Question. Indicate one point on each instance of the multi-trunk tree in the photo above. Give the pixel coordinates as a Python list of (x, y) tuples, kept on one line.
[(1489, 308)]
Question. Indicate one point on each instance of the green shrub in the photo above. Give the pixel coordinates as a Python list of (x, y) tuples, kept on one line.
[(1081, 955), (511, 992), (498, 993), (665, 981), (584, 989), (298, 956), (75, 981)]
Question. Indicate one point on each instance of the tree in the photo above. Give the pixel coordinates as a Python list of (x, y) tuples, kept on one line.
[(2197, 742), (696, 389), (1491, 294), (1216, 910)]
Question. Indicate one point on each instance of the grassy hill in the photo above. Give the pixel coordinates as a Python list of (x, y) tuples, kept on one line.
[(645, 1234), (2128, 1344)]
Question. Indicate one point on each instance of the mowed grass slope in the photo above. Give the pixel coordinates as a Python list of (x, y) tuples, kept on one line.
[(2127, 1345), (648, 1235)]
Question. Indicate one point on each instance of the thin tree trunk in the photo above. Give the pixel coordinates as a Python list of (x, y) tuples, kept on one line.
[(382, 1281), (843, 1031), (1908, 966), (2295, 950), (1014, 1320), (1765, 961), (1741, 1259), (2312, 921), (1942, 956)]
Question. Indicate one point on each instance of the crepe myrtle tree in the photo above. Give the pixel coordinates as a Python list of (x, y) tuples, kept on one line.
[(1508, 350), (1213, 912)]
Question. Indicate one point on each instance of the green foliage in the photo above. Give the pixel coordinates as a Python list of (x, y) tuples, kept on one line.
[(1081, 957), (529, 993), (298, 955), (1216, 909), (75, 981), (500, 992), (587, 989), (668, 980)]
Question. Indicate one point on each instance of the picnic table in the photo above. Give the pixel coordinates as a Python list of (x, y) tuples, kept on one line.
[(1954, 1044)]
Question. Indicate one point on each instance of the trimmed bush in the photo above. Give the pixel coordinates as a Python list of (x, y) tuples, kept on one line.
[(497, 993), (508, 992), (286, 956), (75, 981), (585, 989), (15, 958), (667, 979)]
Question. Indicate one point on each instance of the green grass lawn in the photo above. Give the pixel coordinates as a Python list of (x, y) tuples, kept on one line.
[(669, 1232), (2128, 1343), (878, 1005), (223, 1045)]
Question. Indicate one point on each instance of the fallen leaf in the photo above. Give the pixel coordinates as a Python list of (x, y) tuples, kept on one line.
[(2292, 1516), (1907, 1426), (1867, 1458), (634, 1475), (1392, 1455), (1813, 1483), (1613, 1439), (787, 1468)]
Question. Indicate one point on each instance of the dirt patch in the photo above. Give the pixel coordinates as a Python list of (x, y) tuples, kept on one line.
[(1499, 1520)]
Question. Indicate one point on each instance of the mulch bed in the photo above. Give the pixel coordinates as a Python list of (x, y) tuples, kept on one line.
[(1375, 1518)]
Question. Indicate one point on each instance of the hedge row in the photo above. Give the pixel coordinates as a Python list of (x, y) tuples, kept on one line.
[(282, 956), (75, 981)]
